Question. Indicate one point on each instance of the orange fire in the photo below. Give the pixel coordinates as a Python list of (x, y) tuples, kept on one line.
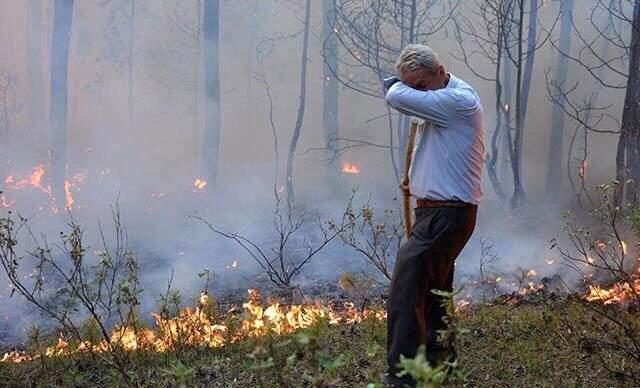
[(36, 180), (199, 184), (194, 327), (617, 293), (583, 168), (71, 184), (349, 168), (33, 181)]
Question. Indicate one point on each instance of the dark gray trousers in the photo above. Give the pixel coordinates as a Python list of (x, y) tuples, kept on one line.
[(425, 262)]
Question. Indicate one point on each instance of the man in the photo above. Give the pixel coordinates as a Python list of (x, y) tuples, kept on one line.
[(445, 177)]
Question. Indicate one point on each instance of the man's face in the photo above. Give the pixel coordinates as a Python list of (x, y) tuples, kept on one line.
[(423, 79)]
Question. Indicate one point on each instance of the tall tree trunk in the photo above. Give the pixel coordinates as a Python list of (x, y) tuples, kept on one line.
[(508, 69), (260, 23), (132, 32), (527, 75), (63, 16), (211, 51), (35, 69), (517, 200), (556, 132), (492, 159), (330, 88), (301, 105), (628, 153), (4, 128), (196, 80)]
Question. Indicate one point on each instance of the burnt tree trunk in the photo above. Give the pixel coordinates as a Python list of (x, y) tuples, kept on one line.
[(492, 159), (62, 18), (628, 153), (515, 148), (301, 104), (211, 52), (330, 88), (556, 132)]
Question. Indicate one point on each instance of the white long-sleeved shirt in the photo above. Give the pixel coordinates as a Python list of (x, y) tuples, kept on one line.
[(449, 151)]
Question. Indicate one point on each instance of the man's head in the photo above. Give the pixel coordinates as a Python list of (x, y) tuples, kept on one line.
[(419, 67)]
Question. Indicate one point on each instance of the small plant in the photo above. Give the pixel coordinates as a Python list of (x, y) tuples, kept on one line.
[(85, 297), (376, 238), (599, 253), (282, 262)]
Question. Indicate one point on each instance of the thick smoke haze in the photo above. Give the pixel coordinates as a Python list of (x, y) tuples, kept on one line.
[(148, 162)]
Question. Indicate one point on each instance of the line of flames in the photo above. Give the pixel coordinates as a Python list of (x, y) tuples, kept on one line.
[(193, 327), (37, 180)]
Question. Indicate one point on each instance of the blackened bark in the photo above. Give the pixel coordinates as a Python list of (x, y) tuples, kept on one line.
[(628, 157)]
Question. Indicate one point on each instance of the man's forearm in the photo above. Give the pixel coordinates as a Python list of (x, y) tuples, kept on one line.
[(427, 105)]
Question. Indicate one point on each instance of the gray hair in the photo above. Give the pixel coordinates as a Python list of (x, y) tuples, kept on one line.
[(417, 56)]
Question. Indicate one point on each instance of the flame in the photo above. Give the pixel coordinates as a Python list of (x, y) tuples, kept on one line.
[(624, 247), (33, 181), (199, 184), (71, 184), (349, 168), (506, 107), (532, 287), (532, 272), (583, 168), (194, 327), (36, 180), (617, 293)]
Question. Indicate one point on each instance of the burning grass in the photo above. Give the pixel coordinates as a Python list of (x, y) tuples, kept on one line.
[(197, 328), (514, 341)]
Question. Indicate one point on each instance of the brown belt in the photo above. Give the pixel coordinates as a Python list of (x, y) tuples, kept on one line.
[(423, 202)]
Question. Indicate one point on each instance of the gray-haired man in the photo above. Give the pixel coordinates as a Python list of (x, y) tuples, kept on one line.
[(445, 177)]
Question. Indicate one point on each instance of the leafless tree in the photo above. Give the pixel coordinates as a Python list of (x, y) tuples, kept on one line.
[(283, 262), (297, 129), (371, 35), (616, 26), (494, 31)]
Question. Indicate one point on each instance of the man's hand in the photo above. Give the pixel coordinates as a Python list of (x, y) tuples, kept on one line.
[(404, 187), (388, 82)]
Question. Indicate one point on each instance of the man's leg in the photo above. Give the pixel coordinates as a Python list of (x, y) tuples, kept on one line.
[(420, 265), (405, 301), (440, 265)]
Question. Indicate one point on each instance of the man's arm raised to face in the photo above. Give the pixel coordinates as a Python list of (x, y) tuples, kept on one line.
[(434, 106)]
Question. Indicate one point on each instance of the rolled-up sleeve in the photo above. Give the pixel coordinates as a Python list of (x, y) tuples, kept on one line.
[(437, 107)]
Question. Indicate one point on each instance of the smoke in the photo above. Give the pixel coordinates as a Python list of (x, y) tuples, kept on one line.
[(149, 168)]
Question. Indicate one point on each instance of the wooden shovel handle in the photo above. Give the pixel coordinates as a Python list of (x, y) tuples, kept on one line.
[(406, 200)]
